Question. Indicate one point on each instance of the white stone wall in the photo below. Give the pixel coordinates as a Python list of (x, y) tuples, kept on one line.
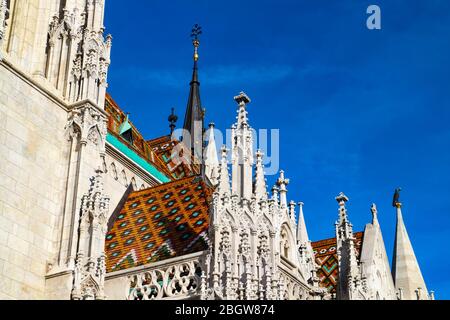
[(32, 162)]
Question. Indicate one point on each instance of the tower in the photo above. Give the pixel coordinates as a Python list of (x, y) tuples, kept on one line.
[(53, 73)]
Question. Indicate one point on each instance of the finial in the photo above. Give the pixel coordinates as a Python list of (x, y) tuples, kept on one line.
[(341, 199), (242, 98), (196, 31), (396, 200), (172, 119), (292, 210), (282, 181)]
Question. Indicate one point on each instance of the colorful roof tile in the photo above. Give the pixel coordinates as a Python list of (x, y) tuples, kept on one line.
[(166, 148), (326, 257), (158, 223), (119, 123)]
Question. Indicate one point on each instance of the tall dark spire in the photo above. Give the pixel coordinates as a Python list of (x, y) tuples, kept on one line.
[(194, 118)]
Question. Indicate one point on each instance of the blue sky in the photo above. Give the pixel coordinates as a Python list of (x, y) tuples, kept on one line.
[(359, 111)]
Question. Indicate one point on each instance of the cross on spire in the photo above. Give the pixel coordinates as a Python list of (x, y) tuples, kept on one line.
[(196, 31)]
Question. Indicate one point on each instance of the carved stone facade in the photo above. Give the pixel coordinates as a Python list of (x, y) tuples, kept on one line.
[(253, 253), (89, 275), (78, 56)]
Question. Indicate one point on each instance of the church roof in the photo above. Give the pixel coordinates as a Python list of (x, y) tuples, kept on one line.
[(119, 123), (164, 147), (158, 223), (326, 257)]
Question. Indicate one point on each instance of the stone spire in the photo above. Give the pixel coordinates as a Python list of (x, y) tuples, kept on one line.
[(343, 227), (349, 282), (224, 179), (194, 117), (302, 233), (211, 160), (260, 181), (305, 251), (242, 151), (406, 272), (282, 183)]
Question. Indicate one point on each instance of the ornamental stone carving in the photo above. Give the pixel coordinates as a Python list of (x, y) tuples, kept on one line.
[(78, 55), (183, 279), (87, 123), (90, 269)]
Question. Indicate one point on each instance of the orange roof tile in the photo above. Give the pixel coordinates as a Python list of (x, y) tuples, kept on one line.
[(326, 257), (158, 223)]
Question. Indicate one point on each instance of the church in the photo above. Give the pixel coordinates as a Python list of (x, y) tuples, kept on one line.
[(92, 210)]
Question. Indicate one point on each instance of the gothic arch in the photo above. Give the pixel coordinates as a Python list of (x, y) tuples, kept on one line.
[(73, 130), (227, 216), (124, 178), (287, 244), (114, 171), (133, 183), (95, 136)]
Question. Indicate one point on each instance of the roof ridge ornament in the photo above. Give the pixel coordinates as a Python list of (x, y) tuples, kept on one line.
[(172, 119)]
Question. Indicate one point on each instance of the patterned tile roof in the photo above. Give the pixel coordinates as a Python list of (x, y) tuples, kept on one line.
[(115, 120), (326, 257), (164, 148), (159, 223)]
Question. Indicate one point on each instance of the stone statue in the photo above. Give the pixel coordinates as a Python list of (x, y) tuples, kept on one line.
[(396, 199)]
